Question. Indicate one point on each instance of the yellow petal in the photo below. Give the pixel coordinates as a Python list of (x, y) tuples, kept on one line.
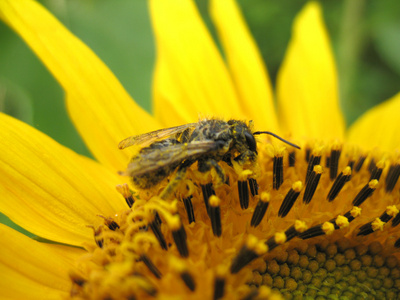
[(33, 270), (100, 108), (378, 127), (307, 85), (191, 79), (246, 64), (50, 190)]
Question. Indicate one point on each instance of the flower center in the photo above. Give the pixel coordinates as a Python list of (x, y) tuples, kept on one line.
[(317, 222)]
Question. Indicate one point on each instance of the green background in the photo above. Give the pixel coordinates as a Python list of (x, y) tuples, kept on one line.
[(365, 36)]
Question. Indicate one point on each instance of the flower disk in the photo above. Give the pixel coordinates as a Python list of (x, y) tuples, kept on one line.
[(319, 222)]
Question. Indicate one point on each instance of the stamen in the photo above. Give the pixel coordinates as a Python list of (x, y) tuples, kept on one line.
[(188, 280), (208, 191), (359, 163), (372, 165), (215, 215), (397, 243), (219, 286), (253, 186), (97, 235), (149, 264), (243, 194), (260, 209), (314, 160), (179, 235), (365, 192), (290, 199), (110, 223), (189, 208), (308, 154), (124, 190), (292, 158), (250, 251), (396, 221), (312, 184), (156, 228), (377, 171), (339, 183), (334, 161), (277, 171), (277, 239), (392, 177), (370, 227)]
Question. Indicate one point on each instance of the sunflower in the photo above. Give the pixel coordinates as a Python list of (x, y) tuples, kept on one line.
[(317, 222)]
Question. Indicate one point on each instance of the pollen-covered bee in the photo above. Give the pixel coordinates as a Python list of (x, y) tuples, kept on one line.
[(206, 142)]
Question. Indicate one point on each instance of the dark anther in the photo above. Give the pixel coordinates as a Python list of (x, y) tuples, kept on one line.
[(308, 154), (334, 163), (113, 225), (180, 241), (365, 192), (372, 165), (338, 184), (129, 200), (149, 264), (243, 194), (288, 202), (208, 191), (271, 243), (349, 216), (155, 227), (396, 220), (219, 287), (351, 164), (253, 186), (189, 208), (376, 173), (365, 229), (327, 161), (157, 218), (392, 177), (292, 158), (215, 216), (277, 172), (314, 160), (259, 213), (188, 280), (290, 233), (99, 242), (312, 184), (359, 163), (397, 243), (244, 257), (312, 232), (385, 217), (77, 280)]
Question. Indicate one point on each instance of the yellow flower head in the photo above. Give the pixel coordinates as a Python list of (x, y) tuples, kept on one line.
[(210, 209)]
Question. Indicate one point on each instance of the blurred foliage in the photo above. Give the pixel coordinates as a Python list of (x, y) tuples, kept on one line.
[(365, 37)]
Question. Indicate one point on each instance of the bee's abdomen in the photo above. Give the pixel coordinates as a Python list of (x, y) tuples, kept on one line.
[(150, 179)]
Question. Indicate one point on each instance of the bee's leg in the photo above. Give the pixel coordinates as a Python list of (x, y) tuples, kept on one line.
[(206, 165), (179, 176)]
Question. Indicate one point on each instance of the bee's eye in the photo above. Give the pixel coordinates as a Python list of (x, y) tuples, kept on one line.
[(251, 141)]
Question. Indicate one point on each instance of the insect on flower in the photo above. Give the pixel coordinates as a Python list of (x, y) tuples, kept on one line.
[(206, 142)]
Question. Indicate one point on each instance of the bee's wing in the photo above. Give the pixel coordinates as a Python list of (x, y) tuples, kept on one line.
[(172, 155), (150, 137)]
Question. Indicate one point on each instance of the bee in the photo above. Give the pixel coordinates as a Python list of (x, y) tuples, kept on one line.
[(206, 142)]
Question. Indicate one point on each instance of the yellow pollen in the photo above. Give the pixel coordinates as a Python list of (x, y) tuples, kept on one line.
[(318, 169), (392, 210), (265, 197), (124, 190), (355, 211), (297, 186), (347, 171), (377, 224), (342, 221), (328, 228), (300, 226), (373, 184), (174, 222), (280, 238), (214, 201)]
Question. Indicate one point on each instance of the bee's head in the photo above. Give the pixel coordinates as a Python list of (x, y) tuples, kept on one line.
[(243, 138)]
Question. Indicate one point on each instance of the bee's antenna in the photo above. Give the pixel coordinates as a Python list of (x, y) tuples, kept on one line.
[(276, 136)]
